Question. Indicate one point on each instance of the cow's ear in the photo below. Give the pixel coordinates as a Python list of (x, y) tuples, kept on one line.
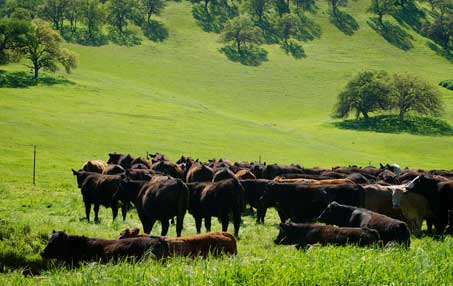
[(53, 231), (382, 166), (74, 172)]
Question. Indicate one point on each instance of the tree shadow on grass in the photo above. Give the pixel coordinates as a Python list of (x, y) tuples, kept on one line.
[(441, 52), (213, 19), (410, 16), (309, 29), (24, 80), (294, 49), (390, 124), (155, 31), (393, 34), (250, 56), (344, 22)]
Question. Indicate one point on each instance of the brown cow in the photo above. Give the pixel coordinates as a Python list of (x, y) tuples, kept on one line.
[(214, 243), (168, 168), (378, 198), (114, 169), (74, 249), (245, 175), (414, 207), (95, 166), (303, 234), (197, 172), (223, 174), (312, 181), (121, 159)]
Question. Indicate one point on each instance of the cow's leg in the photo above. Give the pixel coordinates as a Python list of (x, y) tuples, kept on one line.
[(114, 210), (148, 225), (207, 223), (429, 225), (124, 211), (225, 220), (179, 224), (172, 221), (260, 214), (282, 216), (237, 222), (165, 225), (96, 213), (418, 227), (198, 223), (87, 210)]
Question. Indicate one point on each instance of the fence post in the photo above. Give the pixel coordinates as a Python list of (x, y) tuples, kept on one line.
[(34, 164)]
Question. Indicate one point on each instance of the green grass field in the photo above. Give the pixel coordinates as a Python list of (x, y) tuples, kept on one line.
[(183, 96)]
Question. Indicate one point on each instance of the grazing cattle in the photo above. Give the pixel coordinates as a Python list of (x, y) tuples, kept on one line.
[(74, 249), (216, 199), (124, 160), (303, 234), (388, 177), (139, 174), (390, 230), (214, 243), (98, 189), (253, 191), (95, 166), (414, 208), (157, 157), (197, 172), (141, 161), (114, 169), (439, 195), (245, 175), (312, 181), (257, 169), (168, 168), (223, 174), (449, 227), (358, 178), (367, 171), (378, 198), (274, 170), (161, 199), (304, 203)]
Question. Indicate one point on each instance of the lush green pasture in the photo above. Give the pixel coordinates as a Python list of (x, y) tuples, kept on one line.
[(184, 97)]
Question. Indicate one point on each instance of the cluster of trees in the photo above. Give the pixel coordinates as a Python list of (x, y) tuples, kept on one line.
[(250, 23), (83, 21), (375, 91), (35, 41)]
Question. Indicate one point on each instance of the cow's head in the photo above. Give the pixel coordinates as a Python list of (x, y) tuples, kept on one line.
[(114, 158), (283, 235), (397, 193), (129, 232), (57, 246), (336, 214)]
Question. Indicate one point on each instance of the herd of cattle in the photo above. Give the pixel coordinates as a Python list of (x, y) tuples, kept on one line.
[(355, 205)]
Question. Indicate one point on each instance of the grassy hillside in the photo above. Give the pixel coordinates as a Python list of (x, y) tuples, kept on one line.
[(184, 97)]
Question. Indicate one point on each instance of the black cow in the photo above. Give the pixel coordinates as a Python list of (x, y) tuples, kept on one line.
[(217, 199), (253, 191), (348, 216), (74, 249), (161, 199), (97, 190), (303, 234), (304, 203)]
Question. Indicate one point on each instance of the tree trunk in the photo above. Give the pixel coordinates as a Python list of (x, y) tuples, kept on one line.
[(365, 115), (35, 71), (401, 116), (239, 45), (149, 17), (380, 19)]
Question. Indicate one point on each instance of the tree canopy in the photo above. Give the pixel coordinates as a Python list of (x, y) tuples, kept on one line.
[(241, 31)]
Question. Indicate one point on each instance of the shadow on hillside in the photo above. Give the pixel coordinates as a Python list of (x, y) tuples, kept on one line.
[(251, 56), (344, 22), (294, 49), (212, 18), (308, 30), (24, 80), (391, 124), (393, 34), (441, 52), (410, 16), (155, 31)]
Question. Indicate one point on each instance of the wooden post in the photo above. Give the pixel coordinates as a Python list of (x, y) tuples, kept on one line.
[(34, 164)]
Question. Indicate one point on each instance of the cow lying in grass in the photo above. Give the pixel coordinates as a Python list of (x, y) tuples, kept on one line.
[(303, 234), (214, 243), (74, 249), (390, 230)]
